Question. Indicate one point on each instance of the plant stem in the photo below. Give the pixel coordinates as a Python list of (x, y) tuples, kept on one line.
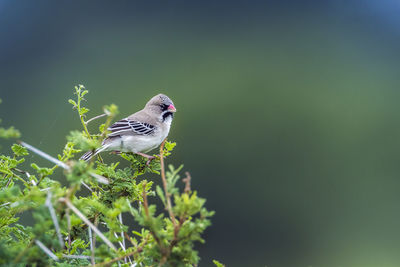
[(69, 228), (81, 115), (164, 180), (187, 182), (145, 204), (21, 179), (84, 126), (146, 210), (96, 117)]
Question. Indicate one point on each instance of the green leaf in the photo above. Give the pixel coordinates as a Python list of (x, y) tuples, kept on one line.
[(160, 194), (84, 92), (170, 146), (218, 264), (72, 102), (81, 141), (68, 152), (10, 132), (136, 233), (78, 173), (83, 110), (111, 110), (102, 127), (19, 150), (42, 171), (7, 163)]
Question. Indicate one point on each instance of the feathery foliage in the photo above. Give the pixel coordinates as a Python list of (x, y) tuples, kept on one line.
[(105, 215)]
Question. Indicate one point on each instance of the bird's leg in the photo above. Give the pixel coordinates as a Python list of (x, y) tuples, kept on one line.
[(148, 157)]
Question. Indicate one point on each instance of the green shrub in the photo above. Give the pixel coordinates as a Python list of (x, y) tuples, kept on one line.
[(81, 223)]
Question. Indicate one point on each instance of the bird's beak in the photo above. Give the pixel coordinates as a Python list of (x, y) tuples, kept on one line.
[(171, 108)]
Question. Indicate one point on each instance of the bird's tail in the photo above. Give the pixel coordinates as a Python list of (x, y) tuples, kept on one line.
[(88, 155)]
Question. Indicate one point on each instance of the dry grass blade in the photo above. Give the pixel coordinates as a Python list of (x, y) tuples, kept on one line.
[(46, 250), (45, 155), (54, 218)]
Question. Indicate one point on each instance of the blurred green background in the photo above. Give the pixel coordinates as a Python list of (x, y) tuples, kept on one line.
[(288, 111)]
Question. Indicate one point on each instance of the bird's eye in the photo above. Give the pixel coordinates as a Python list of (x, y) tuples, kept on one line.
[(164, 107)]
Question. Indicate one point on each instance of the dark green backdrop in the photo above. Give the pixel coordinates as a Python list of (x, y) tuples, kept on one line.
[(288, 111)]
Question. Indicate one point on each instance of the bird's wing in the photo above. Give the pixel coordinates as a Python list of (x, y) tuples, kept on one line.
[(127, 126)]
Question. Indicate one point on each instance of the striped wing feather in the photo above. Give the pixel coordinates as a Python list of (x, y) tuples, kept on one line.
[(126, 126)]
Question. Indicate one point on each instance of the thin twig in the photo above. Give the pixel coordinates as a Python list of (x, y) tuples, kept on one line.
[(122, 232), (164, 180), (81, 116), (176, 239), (165, 253), (115, 259), (85, 220), (119, 242), (16, 176), (123, 237), (5, 204), (145, 204), (137, 250), (177, 226), (46, 250), (98, 177), (146, 211), (45, 155), (9, 181), (129, 239), (123, 248), (84, 126), (96, 117), (87, 187), (101, 179), (45, 189), (27, 175), (91, 246), (76, 256), (96, 223), (69, 228), (54, 218), (187, 181)]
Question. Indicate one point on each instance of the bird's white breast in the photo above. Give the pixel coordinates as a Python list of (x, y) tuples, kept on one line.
[(141, 143)]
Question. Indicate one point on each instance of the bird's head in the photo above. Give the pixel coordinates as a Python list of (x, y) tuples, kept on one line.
[(162, 105)]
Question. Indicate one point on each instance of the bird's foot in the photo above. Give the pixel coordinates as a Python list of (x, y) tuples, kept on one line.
[(115, 152), (148, 157)]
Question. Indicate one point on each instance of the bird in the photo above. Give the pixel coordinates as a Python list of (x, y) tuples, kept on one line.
[(140, 132)]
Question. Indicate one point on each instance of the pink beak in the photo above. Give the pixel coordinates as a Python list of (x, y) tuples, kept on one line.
[(171, 108)]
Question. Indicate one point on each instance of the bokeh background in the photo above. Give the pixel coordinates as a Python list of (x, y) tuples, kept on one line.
[(288, 111)]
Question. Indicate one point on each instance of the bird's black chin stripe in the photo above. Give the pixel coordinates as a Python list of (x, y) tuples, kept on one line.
[(167, 114)]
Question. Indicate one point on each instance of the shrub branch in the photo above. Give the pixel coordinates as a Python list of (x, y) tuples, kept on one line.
[(164, 238)]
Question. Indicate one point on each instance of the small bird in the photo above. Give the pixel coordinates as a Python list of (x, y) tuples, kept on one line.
[(142, 131)]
